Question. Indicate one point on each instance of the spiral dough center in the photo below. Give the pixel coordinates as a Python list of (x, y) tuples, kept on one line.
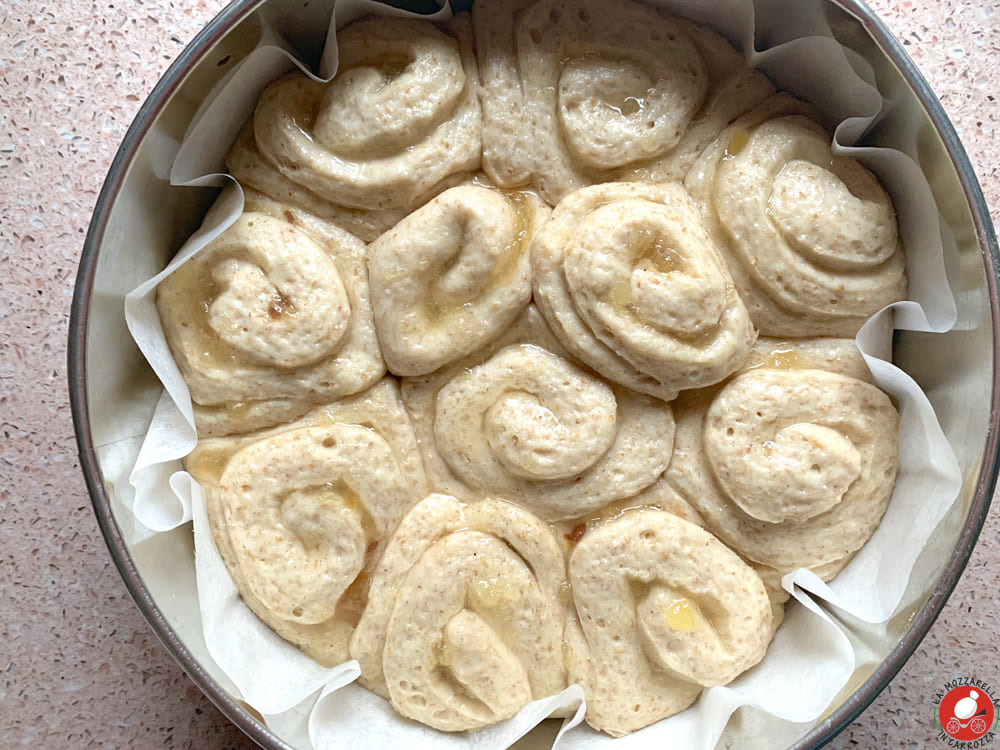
[(541, 417), (281, 300), (783, 451)]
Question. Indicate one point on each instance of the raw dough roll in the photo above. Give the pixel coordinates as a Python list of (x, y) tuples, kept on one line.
[(256, 174), (271, 318), (401, 115), (299, 512), (580, 92), (464, 623), (733, 90), (521, 421), (661, 495), (663, 609), (790, 465), (810, 238), (452, 276), (631, 283)]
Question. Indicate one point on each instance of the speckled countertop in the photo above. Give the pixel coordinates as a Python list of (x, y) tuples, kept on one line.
[(78, 665)]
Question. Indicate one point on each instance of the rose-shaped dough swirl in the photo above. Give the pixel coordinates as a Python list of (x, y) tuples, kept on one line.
[(810, 238), (401, 115), (298, 518), (452, 275), (790, 465), (256, 173), (521, 421), (632, 284), (663, 609), (661, 495), (578, 91), (275, 310), (464, 622)]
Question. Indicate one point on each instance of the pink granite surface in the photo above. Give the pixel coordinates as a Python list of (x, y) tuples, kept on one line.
[(78, 665)]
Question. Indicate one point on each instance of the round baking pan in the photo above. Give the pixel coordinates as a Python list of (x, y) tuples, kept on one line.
[(112, 391)]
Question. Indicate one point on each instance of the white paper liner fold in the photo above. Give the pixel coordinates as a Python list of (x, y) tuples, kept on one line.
[(810, 660)]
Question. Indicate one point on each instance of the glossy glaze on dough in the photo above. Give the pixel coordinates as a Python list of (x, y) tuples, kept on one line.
[(401, 115), (661, 609), (451, 276), (300, 521), (271, 318), (256, 174), (630, 282), (810, 238), (464, 624), (578, 93)]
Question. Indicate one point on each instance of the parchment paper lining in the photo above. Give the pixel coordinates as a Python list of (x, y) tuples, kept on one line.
[(810, 660)]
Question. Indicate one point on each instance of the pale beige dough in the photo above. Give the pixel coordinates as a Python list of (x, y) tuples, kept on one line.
[(464, 622), (548, 427), (271, 318), (791, 462), (452, 275), (401, 115), (733, 89), (810, 238), (658, 496), (631, 283), (661, 609), (520, 420), (300, 521), (582, 92), (256, 174), (661, 495)]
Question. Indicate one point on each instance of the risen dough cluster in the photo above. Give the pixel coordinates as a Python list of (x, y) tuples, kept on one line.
[(512, 374)]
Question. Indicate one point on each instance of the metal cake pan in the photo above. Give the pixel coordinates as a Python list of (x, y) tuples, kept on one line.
[(113, 392)]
